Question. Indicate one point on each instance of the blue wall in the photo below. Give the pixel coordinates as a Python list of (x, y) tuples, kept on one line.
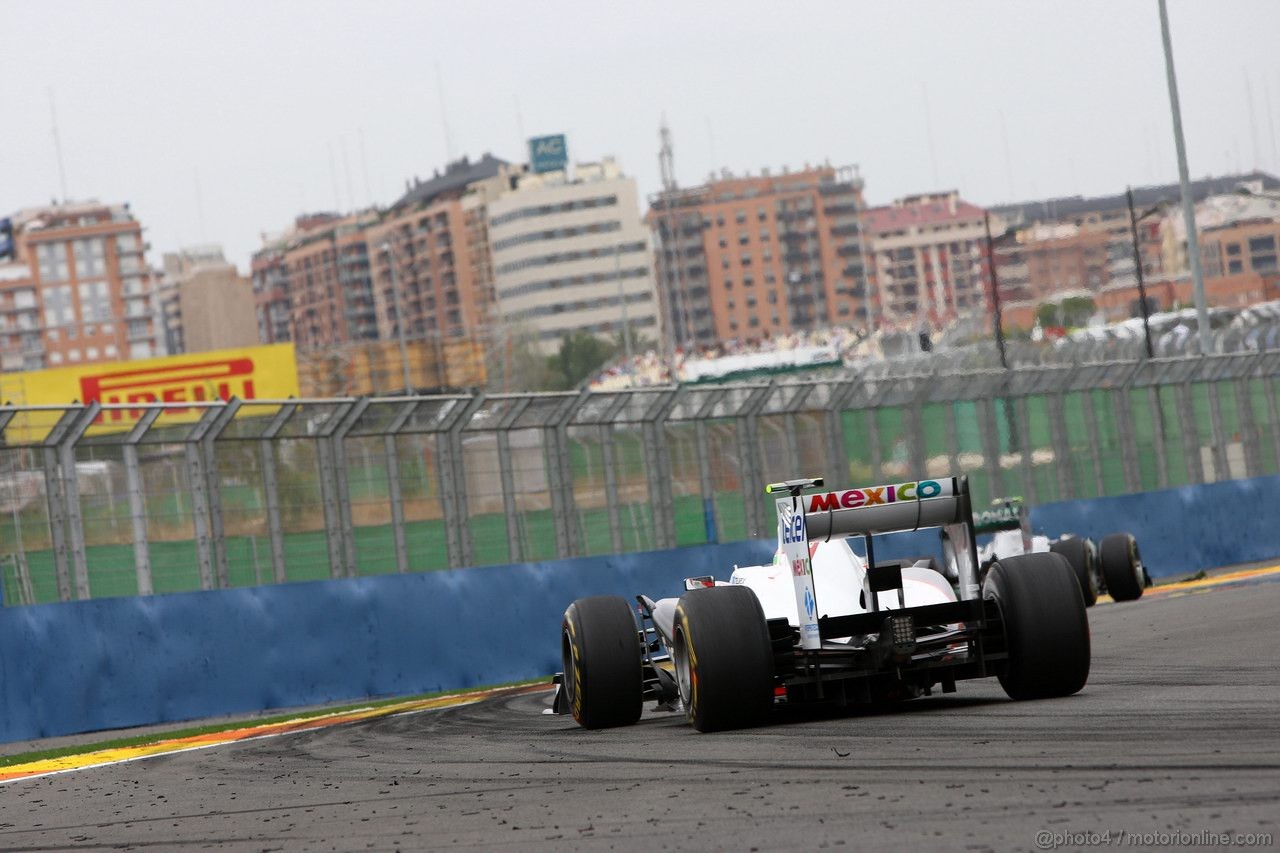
[(116, 662), (110, 663), (1180, 530)]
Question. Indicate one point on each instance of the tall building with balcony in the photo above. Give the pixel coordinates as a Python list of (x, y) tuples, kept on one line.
[(436, 236), (330, 288), (78, 290), (750, 257), (925, 252), (571, 253)]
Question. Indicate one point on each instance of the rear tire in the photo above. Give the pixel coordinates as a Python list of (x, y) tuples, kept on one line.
[(1080, 556), (1122, 567), (600, 644), (1045, 623), (723, 657)]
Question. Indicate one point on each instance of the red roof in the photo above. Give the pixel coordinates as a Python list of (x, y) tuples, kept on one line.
[(878, 220)]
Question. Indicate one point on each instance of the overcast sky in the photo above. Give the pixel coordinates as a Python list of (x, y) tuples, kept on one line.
[(248, 99)]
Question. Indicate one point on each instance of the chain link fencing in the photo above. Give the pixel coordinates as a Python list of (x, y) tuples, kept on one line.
[(109, 500)]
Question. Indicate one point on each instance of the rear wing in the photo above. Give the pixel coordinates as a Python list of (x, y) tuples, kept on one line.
[(893, 508), (1005, 514)]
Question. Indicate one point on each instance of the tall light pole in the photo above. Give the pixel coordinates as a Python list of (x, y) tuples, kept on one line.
[(996, 312), (1137, 261), (626, 324), (395, 299), (1188, 203)]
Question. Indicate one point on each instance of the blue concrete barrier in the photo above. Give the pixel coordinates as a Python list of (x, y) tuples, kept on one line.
[(1180, 530), (110, 663)]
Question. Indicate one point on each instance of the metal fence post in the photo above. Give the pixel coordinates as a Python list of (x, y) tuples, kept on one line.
[(1221, 463), (1022, 417), (56, 499), (1157, 433), (339, 441), (1128, 442), (198, 485), (560, 469), (1061, 446), (271, 490), (917, 452), (1095, 441), (749, 453), (987, 425), (1248, 428), (453, 484), (216, 528), (702, 449), (653, 434), (1190, 433), (137, 500), (834, 421), (506, 476), (71, 494), (608, 460), (330, 492), (391, 455)]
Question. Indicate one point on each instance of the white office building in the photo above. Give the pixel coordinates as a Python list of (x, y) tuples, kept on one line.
[(571, 253)]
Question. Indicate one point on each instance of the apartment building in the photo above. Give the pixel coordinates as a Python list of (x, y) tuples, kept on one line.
[(436, 235), (1087, 243), (1238, 234), (205, 304), (78, 290), (570, 252), (925, 252), (330, 291), (749, 257)]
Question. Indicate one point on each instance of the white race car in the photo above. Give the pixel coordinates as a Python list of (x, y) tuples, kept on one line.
[(1114, 567), (823, 625)]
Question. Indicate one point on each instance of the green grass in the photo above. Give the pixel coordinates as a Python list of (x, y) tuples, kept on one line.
[(231, 725)]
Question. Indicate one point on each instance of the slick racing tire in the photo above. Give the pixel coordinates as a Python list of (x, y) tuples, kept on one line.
[(723, 658), (600, 644), (1122, 566), (1080, 556), (1045, 624)]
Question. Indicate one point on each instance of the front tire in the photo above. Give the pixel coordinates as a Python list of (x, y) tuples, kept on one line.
[(723, 658), (1080, 556), (1122, 567), (1045, 623), (600, 645)]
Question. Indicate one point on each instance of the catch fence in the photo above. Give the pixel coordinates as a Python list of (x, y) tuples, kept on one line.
[(107, 500)]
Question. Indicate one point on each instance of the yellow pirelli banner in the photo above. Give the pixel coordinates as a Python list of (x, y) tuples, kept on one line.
[(251, 373)]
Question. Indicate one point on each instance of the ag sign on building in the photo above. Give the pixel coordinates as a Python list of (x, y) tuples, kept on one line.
[(548, 153), (251, 373)]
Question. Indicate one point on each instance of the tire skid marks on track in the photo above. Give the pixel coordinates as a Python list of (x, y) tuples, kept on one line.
[(106, 757)]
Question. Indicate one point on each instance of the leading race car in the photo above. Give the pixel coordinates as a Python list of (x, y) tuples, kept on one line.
[(1114, 567), (823, 625)]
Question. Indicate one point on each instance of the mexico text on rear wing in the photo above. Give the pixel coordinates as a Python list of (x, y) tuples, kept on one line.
[(893, 508)]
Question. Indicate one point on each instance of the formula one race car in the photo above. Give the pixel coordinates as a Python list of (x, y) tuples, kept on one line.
[(1114, 567), (823, 625)]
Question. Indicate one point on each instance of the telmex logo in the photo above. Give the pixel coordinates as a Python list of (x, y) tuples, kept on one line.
[(180, 383), (873, 495)]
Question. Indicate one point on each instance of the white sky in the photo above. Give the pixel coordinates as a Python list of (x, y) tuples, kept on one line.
[(252, 96)]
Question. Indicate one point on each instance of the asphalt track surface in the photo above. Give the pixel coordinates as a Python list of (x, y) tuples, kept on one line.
[(1177, 730)]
